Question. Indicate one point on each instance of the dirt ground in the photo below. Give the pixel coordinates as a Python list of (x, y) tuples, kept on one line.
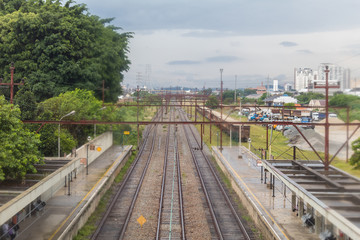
[(317, 138)]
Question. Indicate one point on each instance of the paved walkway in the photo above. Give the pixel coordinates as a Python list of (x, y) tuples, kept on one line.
[(61, 208), (276, 210)]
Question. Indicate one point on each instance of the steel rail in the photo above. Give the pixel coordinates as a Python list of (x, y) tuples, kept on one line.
[(109, 209), (122, 233), (212, 213), (240, 224), (181, 208), (182, 218), (163, 183)]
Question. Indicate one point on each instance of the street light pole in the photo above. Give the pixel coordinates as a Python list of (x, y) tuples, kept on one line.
[(70, 113)]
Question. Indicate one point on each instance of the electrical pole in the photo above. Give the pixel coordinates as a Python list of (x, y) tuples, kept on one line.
[(11, 84), (137, 115), (221, 118), (235, 89)]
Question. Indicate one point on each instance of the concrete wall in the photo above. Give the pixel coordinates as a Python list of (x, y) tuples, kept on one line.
[(250, 206), (105, 141), (48, 186), (27, 197), (82, 216)]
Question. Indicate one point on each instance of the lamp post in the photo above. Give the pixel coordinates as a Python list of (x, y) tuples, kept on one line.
[(87, 155), (69, 114)]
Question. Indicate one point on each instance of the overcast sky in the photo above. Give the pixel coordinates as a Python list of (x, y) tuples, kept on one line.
[(186, 42)]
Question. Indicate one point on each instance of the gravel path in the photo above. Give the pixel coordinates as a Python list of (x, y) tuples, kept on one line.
[(147, 205)]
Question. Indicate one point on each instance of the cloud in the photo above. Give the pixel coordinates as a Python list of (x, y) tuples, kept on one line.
[(209, 34), (288, 44), (183, 62), (223, 59), (266, 17), (305, 51)]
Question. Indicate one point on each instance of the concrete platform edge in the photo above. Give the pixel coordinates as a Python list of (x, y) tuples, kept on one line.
[(266, 228), (71, 228)]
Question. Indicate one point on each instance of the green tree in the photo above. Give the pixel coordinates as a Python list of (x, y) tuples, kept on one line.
[(304, 98), (212, 102), (61, 47), (261, 99), (18, 146), (86, 107), (355, 158), (247, 92), (342, 100), (26, 101)]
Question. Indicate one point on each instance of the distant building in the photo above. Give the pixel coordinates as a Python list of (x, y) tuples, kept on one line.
[(279, 100), (302, 78), (287, 87), (308, 80), (260, 90), (354, 91), (317, 103), (254, 96), (275, 85)]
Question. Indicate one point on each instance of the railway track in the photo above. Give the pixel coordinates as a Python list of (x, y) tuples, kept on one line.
[(167, 201), (116, 218), (227, 222), (171, 212)]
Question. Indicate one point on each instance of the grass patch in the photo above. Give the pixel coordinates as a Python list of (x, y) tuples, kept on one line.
[(279, 145), (127, 165)]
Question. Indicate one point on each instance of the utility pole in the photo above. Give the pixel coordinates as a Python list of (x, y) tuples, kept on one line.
[(221, 118), (235, 89), (11, 84), (326, 160), (137, 115)]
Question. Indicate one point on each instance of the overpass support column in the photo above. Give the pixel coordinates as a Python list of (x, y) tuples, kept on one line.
[(301, 207), (293, 202), (318, 222)]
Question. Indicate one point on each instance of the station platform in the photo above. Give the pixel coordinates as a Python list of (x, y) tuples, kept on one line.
[(275, 210), (62, 208)]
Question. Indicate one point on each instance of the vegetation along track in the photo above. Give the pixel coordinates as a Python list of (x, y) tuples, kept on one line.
[(226, 220), (115, 220)]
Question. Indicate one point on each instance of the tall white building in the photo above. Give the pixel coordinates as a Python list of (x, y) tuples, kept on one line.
[(305, 79), (302, 78), (275, 85)]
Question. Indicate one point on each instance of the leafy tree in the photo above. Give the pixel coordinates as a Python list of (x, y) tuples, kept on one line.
[(228, 96), (355, 158), (261, 99), (342, 100), (304, 98), (248, 92), (86, 107), (61, 47), (212, 102), (18, 146), (26, 100), (207, 91)]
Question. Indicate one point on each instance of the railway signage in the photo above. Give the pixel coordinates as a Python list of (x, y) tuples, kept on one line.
[(141, 220), (126, 132)]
